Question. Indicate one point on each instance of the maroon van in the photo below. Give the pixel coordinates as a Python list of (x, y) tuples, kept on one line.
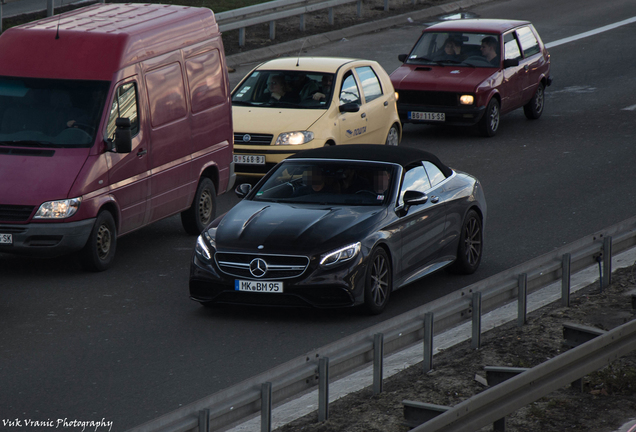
[(112, 116)]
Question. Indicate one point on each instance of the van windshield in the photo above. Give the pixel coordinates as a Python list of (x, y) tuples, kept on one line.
[(50, 113)]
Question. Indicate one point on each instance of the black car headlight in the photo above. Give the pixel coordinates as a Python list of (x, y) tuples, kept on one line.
[(205, 246), (340, 255)]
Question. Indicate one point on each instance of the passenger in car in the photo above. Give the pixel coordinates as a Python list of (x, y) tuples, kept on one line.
[(452, 50), (280, 91), (489, 50)]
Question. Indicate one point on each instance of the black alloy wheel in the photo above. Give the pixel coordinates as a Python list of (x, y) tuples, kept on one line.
[(379, 282), (470, 247)]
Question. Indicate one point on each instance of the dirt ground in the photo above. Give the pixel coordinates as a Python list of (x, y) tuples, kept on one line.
[(607, 401)]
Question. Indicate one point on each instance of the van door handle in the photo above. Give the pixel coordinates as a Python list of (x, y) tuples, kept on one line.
[(526, 67), (363, 115), (142, 152)]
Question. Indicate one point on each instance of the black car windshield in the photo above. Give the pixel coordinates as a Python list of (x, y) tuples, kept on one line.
[(328, 182), (457, 48), (50, 113), (285, 89)]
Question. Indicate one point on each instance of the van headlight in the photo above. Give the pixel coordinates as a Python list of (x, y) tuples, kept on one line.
[(339, 256), (294, 138), (58, 209)]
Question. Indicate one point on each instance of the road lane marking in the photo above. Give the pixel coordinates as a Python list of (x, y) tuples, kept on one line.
[(590, 33), (629, 108)]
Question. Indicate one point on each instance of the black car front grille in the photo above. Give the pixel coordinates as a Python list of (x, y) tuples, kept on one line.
[(413, 97), (15, 213), (276, 266), (254, 139)]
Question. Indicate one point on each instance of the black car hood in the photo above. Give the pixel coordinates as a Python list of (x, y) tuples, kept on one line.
[(293, 228)]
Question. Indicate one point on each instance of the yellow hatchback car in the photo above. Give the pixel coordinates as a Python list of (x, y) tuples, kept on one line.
[(287, 105)]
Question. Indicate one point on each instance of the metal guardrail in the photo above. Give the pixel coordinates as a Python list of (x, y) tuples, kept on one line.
[(505, 398), (275, 10), (238, 402)]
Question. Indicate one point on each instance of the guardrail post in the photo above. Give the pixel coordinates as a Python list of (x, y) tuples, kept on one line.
[(204, 420), (50, 8), (565, 280), (522, 300), (272, 30), (378, 362), (266, 407), (359, 7), (386, 5), (330, 16), (242, 36), (323, 389), (302, 22), (476, 340), (428, 341), (607, 261)]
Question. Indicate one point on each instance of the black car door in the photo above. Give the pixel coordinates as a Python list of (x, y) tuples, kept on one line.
[(421, 226)]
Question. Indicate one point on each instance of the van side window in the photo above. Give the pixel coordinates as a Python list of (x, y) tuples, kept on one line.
[(124, 105), (206, 81), (166, 94), (370, 83)]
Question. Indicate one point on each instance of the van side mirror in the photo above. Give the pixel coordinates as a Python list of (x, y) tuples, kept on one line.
[(349, 107), (403, 57), (242, 190), (123, 136), (510, 63)]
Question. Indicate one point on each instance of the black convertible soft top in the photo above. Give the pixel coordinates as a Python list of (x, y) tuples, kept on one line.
[(404, 156)]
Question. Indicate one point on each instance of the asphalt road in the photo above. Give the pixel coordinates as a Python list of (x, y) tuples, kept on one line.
[(128, 345)]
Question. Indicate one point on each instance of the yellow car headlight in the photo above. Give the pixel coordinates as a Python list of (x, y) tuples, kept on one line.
[(294, 138)]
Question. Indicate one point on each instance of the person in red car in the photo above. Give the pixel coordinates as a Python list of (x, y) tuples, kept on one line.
[(489, 50)]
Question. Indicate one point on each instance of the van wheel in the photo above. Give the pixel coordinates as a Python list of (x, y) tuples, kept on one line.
[(203, 208), (489, 123), (99, 251)]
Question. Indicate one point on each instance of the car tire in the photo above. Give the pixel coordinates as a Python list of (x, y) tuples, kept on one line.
[(471, 245), (489, 123), (378, 282), (393, 137), (203, 208), (534, 108), (99, 251)]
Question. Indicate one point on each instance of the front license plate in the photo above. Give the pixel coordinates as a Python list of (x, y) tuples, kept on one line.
[(249, 159), (258, 286), (6, 238), (431, 116)]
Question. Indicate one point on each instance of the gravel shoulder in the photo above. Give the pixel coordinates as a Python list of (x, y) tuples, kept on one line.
[(607, 401)]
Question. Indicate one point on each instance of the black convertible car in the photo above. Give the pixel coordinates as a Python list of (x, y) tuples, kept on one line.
[(341, 226)]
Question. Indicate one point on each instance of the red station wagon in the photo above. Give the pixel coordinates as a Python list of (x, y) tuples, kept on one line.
[(469, 72)]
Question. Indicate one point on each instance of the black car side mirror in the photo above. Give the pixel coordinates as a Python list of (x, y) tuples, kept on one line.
[(412, 197), (242, 190), (350, 107), (510, 63), (403, 57)]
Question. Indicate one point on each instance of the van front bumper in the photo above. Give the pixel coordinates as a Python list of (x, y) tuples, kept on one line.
[(46, 239)]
